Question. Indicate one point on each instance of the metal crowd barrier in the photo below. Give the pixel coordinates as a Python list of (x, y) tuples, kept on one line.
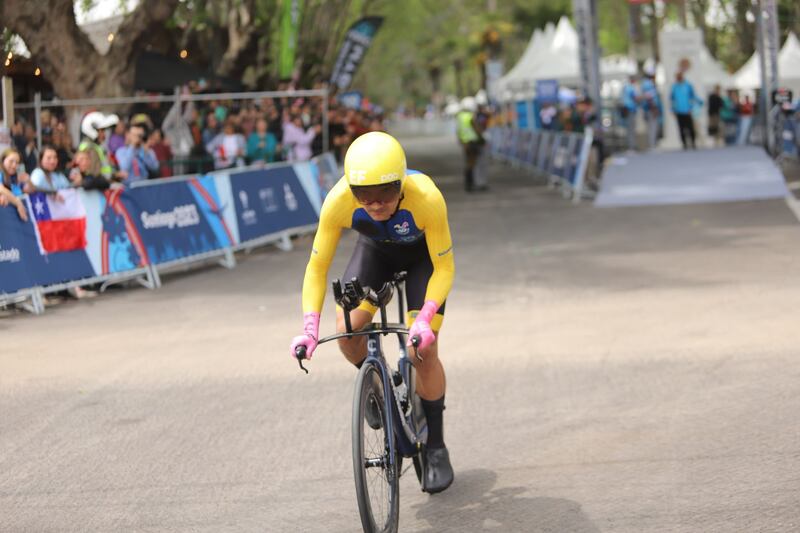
[(159, 225), (561, 157)]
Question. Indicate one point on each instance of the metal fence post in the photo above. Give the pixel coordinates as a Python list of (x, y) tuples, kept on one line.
[(37, 109), (325, 122)]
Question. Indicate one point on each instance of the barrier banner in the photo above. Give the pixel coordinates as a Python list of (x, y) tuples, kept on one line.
[(23, 261), (307, 173), (271, 203), (113, 241), (327, 171), (18, 248), (177, 220), (91, 234)]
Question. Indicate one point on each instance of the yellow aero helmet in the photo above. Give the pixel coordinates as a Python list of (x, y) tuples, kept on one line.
[(375, 158)]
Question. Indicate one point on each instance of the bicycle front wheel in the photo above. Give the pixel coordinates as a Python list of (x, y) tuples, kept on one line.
[(376, 476)]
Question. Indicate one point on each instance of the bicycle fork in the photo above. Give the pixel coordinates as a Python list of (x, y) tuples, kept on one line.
[(402, 441)]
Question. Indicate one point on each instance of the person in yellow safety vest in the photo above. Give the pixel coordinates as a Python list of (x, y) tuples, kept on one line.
[(94, 126), (467, 131)]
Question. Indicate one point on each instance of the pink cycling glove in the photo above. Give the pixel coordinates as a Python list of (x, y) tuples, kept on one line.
[(310, 337), (422, 325)]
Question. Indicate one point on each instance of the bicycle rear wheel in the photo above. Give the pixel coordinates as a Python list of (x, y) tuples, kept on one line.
[(377, 487)]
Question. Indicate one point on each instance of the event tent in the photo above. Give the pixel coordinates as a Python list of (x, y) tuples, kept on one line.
[(711, 72), (519, 75), (553, 54), (560, 60), (749, 76)]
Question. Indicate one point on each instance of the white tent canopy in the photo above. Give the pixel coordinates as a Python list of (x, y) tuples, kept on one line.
[(560, 61), (553, 54), (749, 76), (519, 75), (711, 71)]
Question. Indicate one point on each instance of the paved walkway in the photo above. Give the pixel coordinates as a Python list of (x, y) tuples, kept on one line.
[(624, 369)]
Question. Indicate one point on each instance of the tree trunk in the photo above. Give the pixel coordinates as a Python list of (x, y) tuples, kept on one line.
[(68, 59), (242, 44), (745, 30)]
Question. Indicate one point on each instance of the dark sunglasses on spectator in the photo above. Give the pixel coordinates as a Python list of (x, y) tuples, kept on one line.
[(382, 194)]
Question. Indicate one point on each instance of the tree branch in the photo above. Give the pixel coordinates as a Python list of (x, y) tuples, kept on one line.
[(133, 32), (51, 35)]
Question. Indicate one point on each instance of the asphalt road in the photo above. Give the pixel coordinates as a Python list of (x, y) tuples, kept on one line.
[(628, 369)]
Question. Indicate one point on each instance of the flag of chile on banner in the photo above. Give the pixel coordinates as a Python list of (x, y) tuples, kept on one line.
[(60, 220)]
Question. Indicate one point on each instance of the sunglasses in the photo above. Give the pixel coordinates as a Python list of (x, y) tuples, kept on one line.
[(377, 194)]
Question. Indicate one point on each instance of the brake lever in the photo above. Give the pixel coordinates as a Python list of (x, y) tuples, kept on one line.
[(415, 342), (300, 353)]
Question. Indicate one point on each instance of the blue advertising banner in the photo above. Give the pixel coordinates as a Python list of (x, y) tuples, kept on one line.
[(125, 230), (113, 242), (271, 202), (179, 219), (547, 91), (17, 247), (23, 263)]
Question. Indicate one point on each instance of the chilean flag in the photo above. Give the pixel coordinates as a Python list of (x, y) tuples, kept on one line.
[(60, 220)]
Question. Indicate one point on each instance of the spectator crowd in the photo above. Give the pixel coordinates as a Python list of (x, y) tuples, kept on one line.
[(189, 137)]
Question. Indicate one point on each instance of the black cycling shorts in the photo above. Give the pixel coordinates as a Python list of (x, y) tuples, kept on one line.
[(376, 263)]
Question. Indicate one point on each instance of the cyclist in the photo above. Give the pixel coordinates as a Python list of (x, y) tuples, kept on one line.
[(401, 217)]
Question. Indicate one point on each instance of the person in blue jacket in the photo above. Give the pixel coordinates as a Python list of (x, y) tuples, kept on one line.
[(628, 107), (683, 99)]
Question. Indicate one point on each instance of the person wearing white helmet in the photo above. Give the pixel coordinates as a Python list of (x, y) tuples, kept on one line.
[(93, 127), (468, 136), (401, 217)]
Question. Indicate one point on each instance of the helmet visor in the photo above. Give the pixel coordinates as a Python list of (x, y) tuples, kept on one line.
[(382, 194)]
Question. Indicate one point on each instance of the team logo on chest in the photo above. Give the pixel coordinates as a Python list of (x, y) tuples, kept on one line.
[(402, 229)]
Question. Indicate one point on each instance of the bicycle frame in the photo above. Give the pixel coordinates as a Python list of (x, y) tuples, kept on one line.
[(407, 440)]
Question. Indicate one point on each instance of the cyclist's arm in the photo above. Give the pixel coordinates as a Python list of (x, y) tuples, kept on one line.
[(322, 251), (440, 248)]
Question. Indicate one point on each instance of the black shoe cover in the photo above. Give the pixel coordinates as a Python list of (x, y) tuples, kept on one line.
[(438, 471)]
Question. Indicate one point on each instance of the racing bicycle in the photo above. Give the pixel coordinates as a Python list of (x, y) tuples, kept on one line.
[(388, 418)]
